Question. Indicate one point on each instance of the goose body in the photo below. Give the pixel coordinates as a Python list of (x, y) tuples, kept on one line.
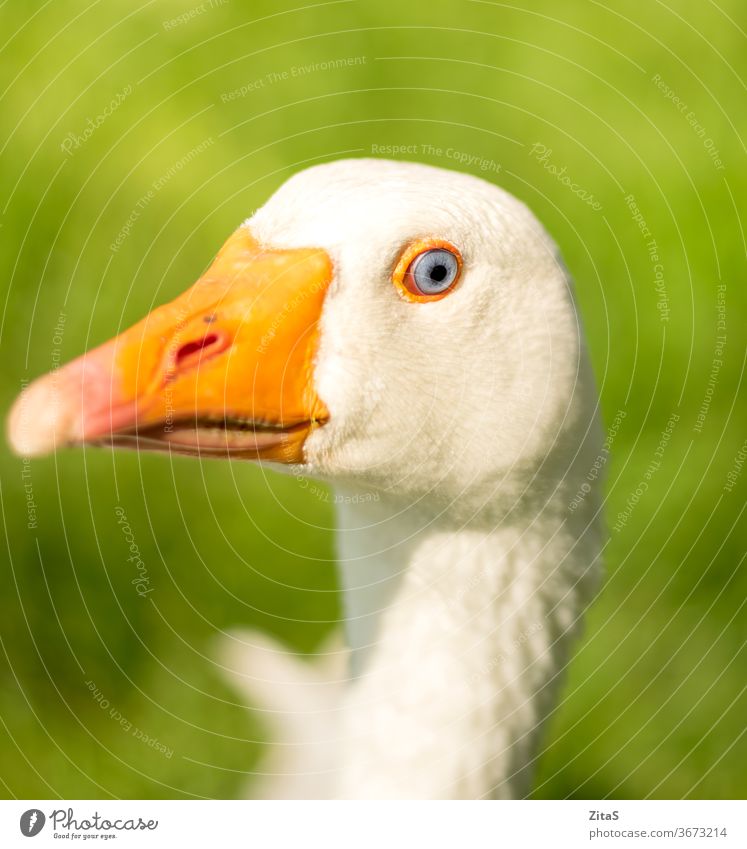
[(456, 424)]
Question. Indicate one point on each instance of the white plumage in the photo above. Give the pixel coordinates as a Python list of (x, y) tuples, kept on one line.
[(460, 432)]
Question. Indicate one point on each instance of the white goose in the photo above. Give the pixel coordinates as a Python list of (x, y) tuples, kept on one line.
[(408, 334)]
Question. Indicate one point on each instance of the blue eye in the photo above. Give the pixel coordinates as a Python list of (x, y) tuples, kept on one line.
[(432, 272)]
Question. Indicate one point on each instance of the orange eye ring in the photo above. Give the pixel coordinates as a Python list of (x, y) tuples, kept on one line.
[(403, 278)]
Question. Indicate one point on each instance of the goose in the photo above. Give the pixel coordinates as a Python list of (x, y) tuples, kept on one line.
[(410, 336)]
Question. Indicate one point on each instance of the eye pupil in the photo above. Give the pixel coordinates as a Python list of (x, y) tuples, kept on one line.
[(439, 273)]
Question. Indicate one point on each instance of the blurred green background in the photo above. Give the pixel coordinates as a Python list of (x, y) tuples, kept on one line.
[(655, 705)]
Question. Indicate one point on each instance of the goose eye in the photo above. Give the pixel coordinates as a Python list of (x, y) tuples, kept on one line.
[(433, 272), (428, 270)]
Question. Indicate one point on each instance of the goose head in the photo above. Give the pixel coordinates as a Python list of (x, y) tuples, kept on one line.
[(382, 324)]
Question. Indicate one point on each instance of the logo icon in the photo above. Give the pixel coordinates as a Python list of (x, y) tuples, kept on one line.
[(32, 822)]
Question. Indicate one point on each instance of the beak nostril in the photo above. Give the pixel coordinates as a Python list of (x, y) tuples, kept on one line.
[(195, 349)]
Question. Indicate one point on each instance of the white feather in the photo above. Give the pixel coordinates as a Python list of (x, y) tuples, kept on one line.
[(460, 432)]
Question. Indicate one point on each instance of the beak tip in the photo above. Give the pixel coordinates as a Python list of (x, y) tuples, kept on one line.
[(38, 422)]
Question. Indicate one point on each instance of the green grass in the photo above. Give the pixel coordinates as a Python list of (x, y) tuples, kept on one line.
[(655, 703)]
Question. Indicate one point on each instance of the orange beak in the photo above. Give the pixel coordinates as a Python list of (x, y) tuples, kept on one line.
[(224, 370)]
